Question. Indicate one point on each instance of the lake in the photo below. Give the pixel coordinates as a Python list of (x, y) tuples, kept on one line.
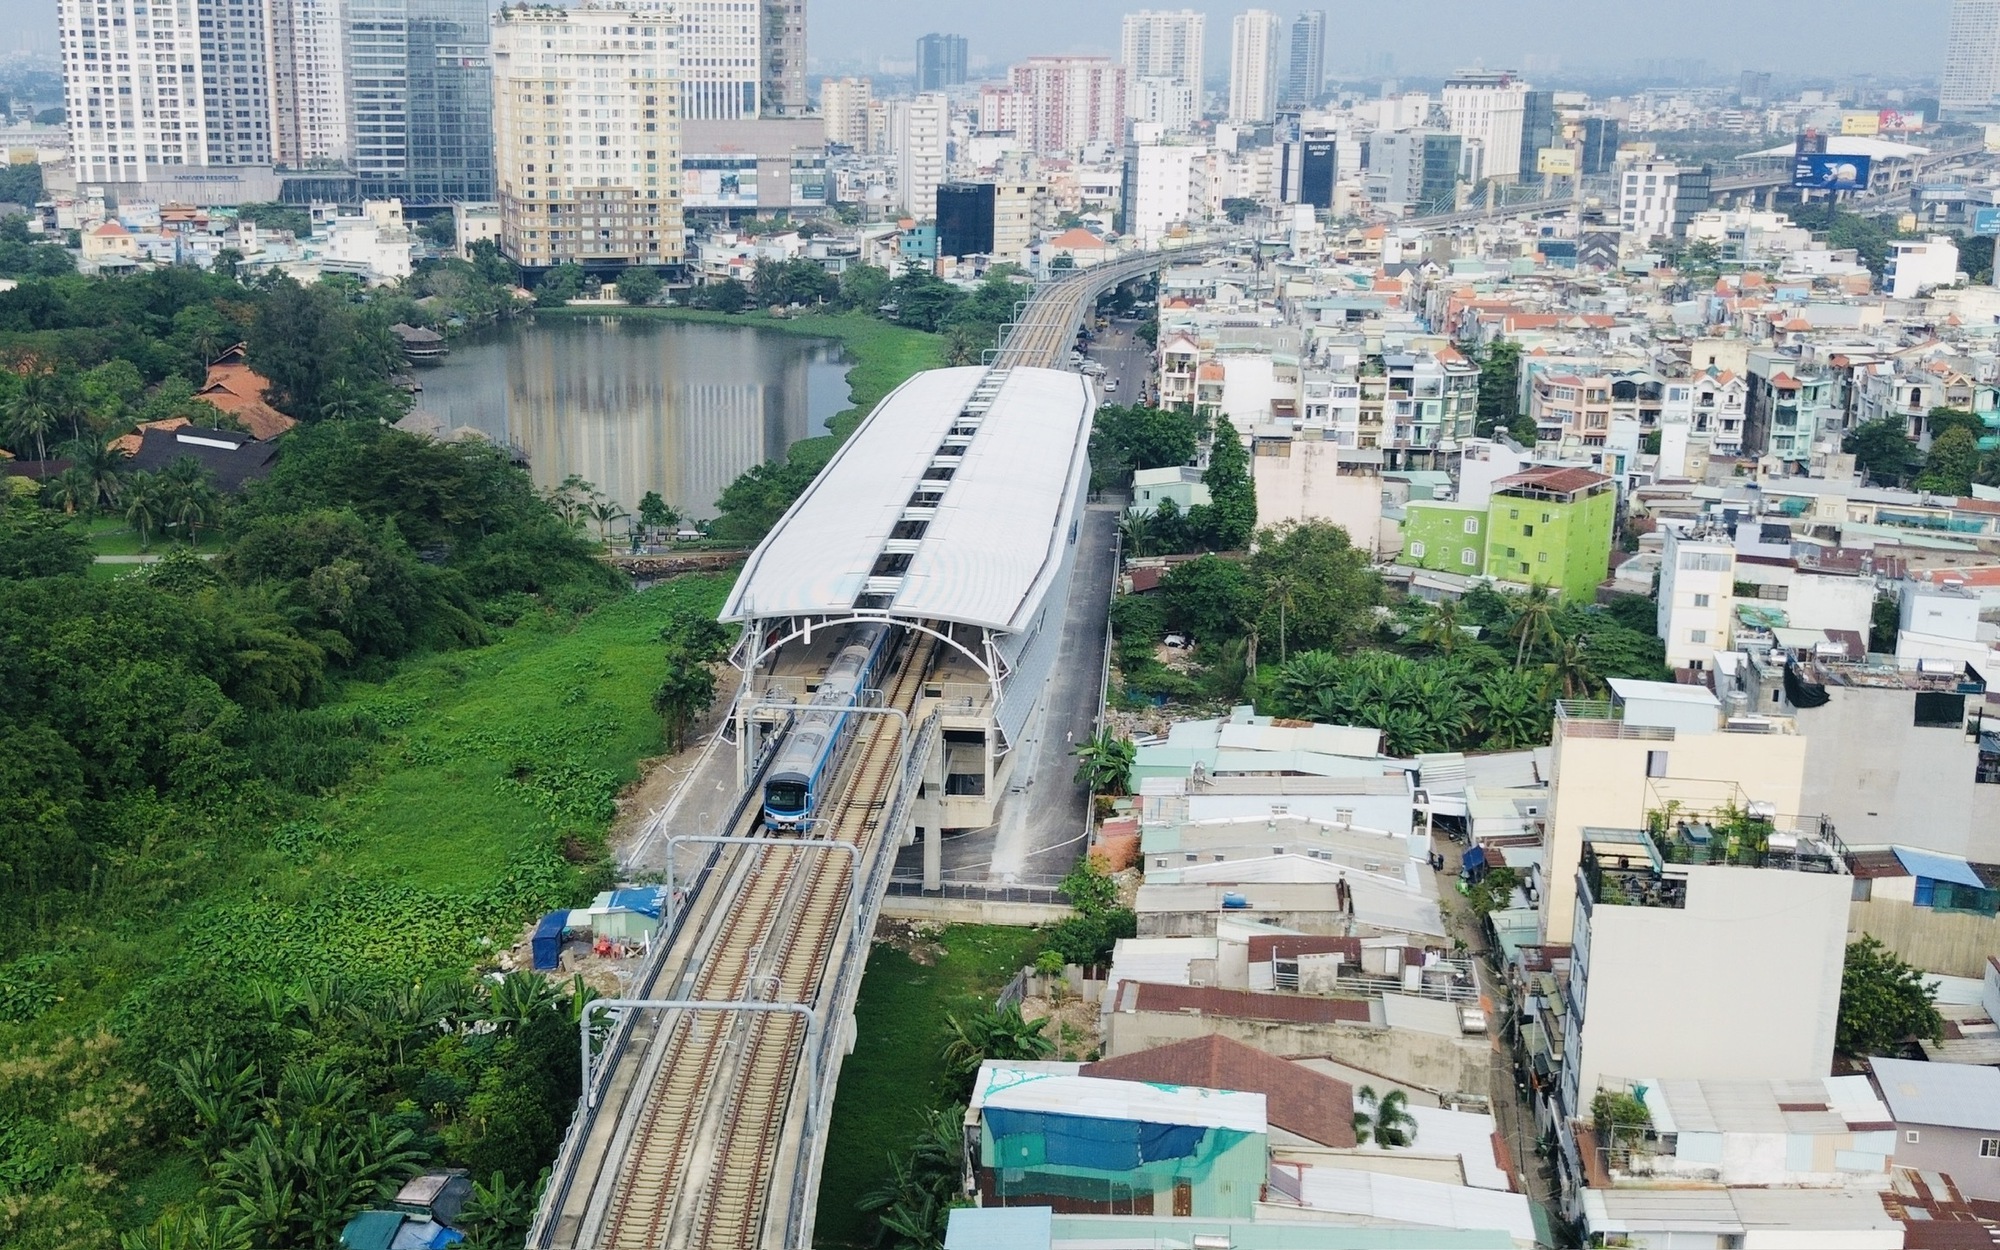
[(632, 404)]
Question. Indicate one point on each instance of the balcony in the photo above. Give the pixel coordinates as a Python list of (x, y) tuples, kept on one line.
[(1600, 718)]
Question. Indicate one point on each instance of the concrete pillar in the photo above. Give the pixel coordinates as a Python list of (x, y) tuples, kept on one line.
[(933, 858)]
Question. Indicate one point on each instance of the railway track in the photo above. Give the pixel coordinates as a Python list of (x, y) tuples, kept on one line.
[(704, 1146)]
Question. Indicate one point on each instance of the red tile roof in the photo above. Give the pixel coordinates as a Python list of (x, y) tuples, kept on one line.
[(239, 390), (1297, 1099), (1562, 479), (1244, 1005)]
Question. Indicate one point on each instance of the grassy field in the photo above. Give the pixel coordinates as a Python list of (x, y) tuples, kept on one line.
[(445, 840), (897, 1071), (113, 536)]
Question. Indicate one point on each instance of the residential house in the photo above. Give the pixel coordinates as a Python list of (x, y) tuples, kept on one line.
[(1544, 526), (1947, 1120)]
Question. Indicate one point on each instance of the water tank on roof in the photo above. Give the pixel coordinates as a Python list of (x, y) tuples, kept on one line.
[(1232, 901)]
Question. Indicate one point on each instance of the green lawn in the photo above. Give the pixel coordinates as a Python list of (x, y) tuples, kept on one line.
[(112, 536), (897, 1071)]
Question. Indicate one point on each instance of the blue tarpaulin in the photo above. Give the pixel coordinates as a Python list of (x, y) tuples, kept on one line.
[(1087, 1142), (547, 943), (643, 899)]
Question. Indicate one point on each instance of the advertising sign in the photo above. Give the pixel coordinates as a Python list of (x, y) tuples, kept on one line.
[(1897, 122), (1826, 171), (1860, 123), (719, 181), (1560, 162), (1986, 221)]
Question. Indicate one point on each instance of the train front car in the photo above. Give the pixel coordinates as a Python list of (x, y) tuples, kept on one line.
[(812, 746)]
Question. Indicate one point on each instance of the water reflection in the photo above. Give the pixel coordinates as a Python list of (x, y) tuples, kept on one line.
[(634, 405)]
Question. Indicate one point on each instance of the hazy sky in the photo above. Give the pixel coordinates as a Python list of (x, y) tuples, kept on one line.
[(1801, 37)]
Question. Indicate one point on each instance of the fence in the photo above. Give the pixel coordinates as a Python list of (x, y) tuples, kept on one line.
[(973, 892)]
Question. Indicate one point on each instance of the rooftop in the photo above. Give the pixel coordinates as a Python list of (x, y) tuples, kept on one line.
[(1631, 868), (1013, 1088), (950, 502), (1299, 1100), (1949, 1095)]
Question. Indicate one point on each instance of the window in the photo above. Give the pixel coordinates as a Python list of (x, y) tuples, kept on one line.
[(1160, 862), (1468, 557), (1343, 815), (1701, 601), (1541, 557), (1472, 525), (1527, 531), (1698, 635), (1656, 763), (1989, 1147), (1193, 858), (1910, 1137), (1417, 550)]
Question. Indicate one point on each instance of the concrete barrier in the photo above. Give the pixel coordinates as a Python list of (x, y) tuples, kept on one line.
[(973, 911)]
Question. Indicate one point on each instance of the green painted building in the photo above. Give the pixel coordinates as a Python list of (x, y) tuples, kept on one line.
[(1546, 526), (1445, 537)]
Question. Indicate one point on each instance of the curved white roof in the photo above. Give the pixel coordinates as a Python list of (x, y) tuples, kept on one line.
[(994, 546)]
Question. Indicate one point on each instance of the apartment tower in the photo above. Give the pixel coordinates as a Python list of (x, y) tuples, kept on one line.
[(606, 191), (1253, 67)]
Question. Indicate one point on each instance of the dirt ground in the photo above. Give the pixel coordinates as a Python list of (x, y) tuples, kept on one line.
[(916, 938), (608, 975), (662, 775), (1071, 1026)]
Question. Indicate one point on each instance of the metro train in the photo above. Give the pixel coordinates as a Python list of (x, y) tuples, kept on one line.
[(812, 745)]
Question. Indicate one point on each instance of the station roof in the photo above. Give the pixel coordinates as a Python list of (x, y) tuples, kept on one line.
[(993, 548)]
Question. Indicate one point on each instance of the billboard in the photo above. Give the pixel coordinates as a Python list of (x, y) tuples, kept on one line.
[(1826, 171), (1559, 162), (1986, 221), (1860, 123), (719, 181), (1897, 122)]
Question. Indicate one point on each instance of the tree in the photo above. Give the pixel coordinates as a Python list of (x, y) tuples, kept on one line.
[(145, 505), (995, 1033), (913, 1206), (1104, 763), (1952, 464), (1882, 450), (1884, 1002), (1226, 522), (640, 285), (1534, 622), (1499, 387), (1125, 439), (1384, 1119), (33, 410), (1206, 597), (726, 296), (1330, 586), (685, 694), (560, 285), (655, 514), (1885, 621)]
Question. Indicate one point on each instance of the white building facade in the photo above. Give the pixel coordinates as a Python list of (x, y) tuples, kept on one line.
[(1488, 110), (1697, 598), (1253, 67), (921, 130), (1169, 188), (1971, 57), (1071, 102), (1164, 43)]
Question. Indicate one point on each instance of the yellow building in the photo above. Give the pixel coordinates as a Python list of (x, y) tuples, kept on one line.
[(1657, 747), (586, 122)]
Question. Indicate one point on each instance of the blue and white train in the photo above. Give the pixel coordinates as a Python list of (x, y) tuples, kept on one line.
[(812, 746)]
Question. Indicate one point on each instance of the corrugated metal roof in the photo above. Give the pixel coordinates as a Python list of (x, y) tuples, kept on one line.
[(1096, 1098), (999, 1228), (994, 546), (1380, 1196), (1938, 867), (1950, 1095)]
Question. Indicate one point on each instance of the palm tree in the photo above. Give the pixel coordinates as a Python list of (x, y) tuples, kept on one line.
[(340, 400), (1442, 630), (1534, 622), (1104, 763), (1390, 1125), (32, 411), (604, 512), (73, 491), (145, 505), (1570, 674), (192, 507), (103, 462), (1281, 590)]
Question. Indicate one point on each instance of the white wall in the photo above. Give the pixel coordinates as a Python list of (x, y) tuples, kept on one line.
[(1741, 984), (1818, 601), (1883, 780), (1307, 485)]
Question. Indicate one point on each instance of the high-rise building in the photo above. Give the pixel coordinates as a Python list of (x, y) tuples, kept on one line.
[(722, 70), (1600, 145), (965, 218), (147, 92), (1169, 188), (920, 130), (420, 99), (1488, 109), (1414, 170), (1309, 167), (1164, 101), (1160, 43), (940, 62), (1253, 67), (308, 83), (844, 102), (1971, 58), (1307, 72), (607, 194), (1538, 130), (1753, 86), (1072, 101), (784, 57)]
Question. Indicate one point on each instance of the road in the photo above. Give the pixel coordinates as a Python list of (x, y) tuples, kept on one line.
[(1125, 357)]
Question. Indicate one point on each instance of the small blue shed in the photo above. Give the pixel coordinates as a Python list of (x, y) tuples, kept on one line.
[(548, 940)]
